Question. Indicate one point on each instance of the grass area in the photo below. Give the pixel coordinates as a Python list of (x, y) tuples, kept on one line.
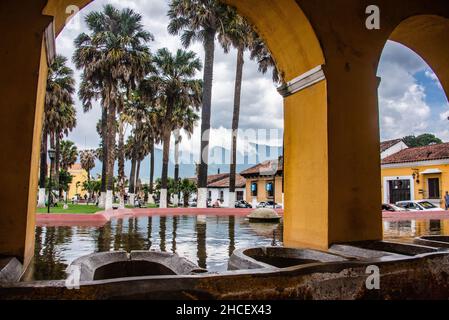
[(73, 209)]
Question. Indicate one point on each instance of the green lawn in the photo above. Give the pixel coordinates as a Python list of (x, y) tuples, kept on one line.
[(73, 209)]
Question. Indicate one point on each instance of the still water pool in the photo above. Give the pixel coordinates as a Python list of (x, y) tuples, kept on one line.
[(209, 242)]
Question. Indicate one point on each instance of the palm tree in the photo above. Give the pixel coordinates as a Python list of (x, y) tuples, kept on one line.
[(59, 117), (240, 35), (87, 159), (200, 20), (174, 82), (69, 154), (114, 58), (185, 118)]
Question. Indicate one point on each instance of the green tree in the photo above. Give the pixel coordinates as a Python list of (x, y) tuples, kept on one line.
[(87, 159), (69, 154), (187, 188), (59, 115), (176, 88), (200, 20), (114, 57), (421, 140), (65, 180)]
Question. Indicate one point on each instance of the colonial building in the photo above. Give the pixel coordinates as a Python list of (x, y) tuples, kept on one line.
[(79, 177), (218, 188), (264, 182), (416, 174), (387, 148)]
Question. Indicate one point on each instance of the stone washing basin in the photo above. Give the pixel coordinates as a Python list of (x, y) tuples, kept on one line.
[(433, 241), (120, 264), (278, 258)]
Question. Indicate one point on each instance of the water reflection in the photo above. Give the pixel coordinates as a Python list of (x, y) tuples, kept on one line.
[(207, 241)]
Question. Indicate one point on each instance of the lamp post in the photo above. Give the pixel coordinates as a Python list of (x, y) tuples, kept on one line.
[(51, 155)]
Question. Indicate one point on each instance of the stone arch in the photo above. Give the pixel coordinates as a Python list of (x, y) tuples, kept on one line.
[(427, 35)]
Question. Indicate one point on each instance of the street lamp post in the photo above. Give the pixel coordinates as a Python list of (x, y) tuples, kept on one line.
[(51, 155)]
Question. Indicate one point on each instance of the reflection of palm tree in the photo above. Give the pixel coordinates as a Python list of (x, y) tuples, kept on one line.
[(46, 262), (104, 238), (201, 229), (175, 229), (162, 231), (149, 233), (231, 235), (118, 235)]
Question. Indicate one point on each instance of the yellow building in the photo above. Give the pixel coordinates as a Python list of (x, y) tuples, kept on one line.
[(416, 174), (264, 182), (79, 177)]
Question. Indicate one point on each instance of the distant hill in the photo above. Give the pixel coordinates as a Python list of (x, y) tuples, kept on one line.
[(219, 161)]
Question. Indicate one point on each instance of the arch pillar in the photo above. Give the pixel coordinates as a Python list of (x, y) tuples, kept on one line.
[(23, 65), (332, 162)]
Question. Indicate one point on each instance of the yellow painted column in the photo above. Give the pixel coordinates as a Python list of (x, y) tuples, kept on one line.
[(332, 161), (23, 68)]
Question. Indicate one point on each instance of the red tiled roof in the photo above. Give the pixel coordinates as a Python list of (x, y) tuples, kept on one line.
[(428, 153), (266, 167), (388, 144), (240, 182)]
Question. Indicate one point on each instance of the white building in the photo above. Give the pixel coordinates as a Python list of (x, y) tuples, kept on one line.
[(388, 148)]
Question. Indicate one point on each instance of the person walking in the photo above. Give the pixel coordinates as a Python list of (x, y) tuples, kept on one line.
[(446, 200)]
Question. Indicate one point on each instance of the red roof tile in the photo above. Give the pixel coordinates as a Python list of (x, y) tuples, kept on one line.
[(265, 168), (428, 153), (240, 182)]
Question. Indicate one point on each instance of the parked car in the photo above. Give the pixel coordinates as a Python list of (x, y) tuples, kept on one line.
[(422, 205), (193, 204), (392, 208), (243, 204), (269, 205), (261, 205)]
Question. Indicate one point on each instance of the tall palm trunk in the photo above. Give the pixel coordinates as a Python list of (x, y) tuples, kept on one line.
[(104, 169), (235, 124), (165, 159), (151, 199), (139, 162), (132, 179), (58, 163), (43, 172), (121, 164), (209, 47), (177, 182), (110, 156)]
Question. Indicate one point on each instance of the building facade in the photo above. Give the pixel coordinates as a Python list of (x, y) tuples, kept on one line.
[(79, 176), (264, 182), (416, 174)]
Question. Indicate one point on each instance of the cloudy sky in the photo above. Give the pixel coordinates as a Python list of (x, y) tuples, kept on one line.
[(411, 98)]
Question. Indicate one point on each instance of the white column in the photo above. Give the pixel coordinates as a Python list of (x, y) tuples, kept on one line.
[(175, 200), (41, 199), (122, 202), (151, 199), (231, 200), (202, 198), (163, 203), (102, 200), (109, 200), (132, 199)]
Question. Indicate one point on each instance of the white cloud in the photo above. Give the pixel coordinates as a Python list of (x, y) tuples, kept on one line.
[(261, 106), (402, 100)]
